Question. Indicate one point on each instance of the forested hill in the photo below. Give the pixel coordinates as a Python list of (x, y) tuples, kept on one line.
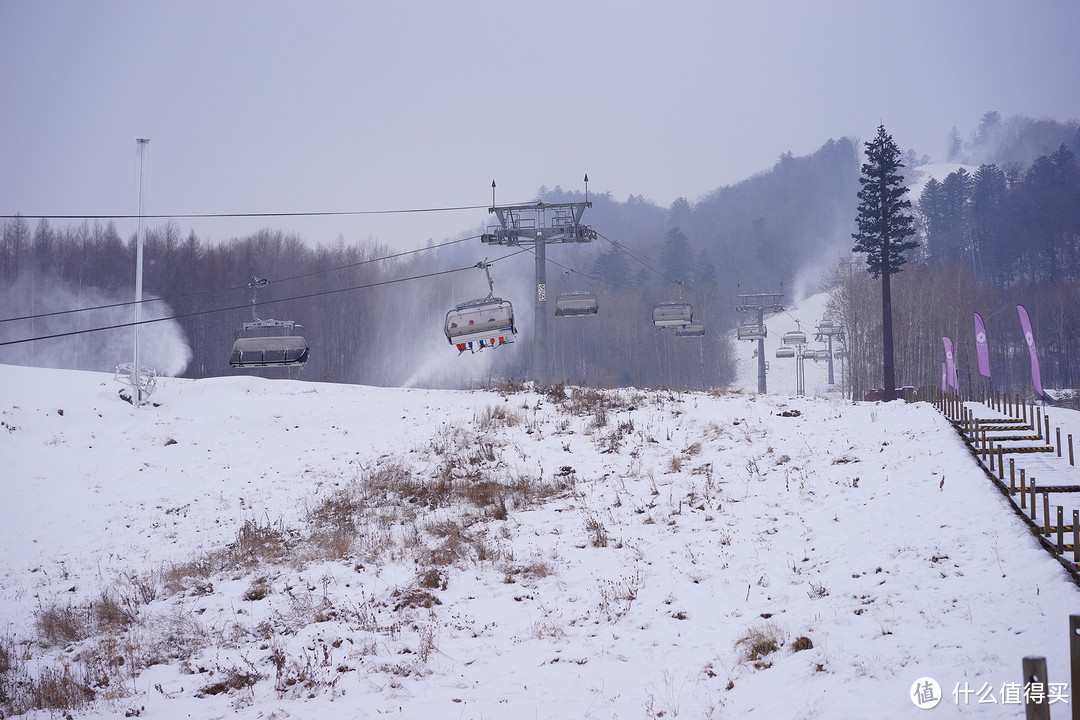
[(367, 322)]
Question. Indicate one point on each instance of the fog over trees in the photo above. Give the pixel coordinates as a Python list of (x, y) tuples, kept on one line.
[(1006, 233)]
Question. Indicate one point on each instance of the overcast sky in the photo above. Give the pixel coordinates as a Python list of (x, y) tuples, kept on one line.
[(343, 106)]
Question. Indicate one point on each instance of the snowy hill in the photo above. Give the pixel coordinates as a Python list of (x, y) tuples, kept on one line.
[(780, 376), (257, 549)]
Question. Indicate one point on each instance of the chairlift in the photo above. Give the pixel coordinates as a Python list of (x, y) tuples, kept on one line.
[(482, 323), (785, 351), (818, 354), (752, 332), (839, 354), (795, 337), (830, 327), (267, 350), (577, 303), (691, 330), (673, 314)]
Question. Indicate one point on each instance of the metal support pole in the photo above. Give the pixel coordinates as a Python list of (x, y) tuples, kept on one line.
[(136, 387), (540, 334), (761, 387), (830, 361)]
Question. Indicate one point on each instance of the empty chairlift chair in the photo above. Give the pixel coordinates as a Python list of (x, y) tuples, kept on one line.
[(268, 350), (691, 330), (795, 337), (576, 304), (785, 351), (752, 332), (263, 350), (673, 314)]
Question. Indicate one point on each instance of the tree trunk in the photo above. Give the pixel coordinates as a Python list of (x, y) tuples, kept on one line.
[(887, 339)]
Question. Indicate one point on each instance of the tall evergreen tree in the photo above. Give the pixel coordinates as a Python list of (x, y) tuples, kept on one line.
[(885, 224), (676, 257)]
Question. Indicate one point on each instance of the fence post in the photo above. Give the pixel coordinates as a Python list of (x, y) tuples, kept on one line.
[(1076, 556), (1060, 530), (1074, 655), (1012, 476), (1001, 463), (1023, 489), (1031, 488), (1058, 431), (1046, 514), (1035, 674), (1037, 415), (1070, 450)]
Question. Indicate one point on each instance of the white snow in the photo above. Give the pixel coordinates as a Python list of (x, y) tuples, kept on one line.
[(680, 524)]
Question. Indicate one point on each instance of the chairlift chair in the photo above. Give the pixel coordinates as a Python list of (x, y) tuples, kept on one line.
[(577, 303), (478, 324), (752, 332), (819, 354), (673, 314), (830, 327), (267, 350), (691, 330), (482, 323), (795, 337), (785, 351)]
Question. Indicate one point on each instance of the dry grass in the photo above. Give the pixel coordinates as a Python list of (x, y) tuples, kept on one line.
[(759, 642), (439, 508)]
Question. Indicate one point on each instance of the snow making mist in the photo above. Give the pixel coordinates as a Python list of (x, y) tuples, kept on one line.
[(431, 361), (162, 345)]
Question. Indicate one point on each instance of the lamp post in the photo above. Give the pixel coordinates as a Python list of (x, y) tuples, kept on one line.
[(136, 389)]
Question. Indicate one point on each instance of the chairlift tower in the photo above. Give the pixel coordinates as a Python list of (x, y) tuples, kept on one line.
[(760, 303), (536, 225), (826, 331)]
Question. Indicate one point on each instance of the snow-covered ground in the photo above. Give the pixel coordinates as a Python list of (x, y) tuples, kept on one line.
[(272, 549)]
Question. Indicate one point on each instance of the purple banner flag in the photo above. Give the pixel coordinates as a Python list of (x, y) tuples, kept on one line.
[(981, 349), (944, 379), (1025, 324), (950, 363)]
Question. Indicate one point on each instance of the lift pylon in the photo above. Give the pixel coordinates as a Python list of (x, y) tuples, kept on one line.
[(759, 303), (537, 225)]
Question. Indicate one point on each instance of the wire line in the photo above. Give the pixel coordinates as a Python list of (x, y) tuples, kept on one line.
[(189, 216), (232, 289)]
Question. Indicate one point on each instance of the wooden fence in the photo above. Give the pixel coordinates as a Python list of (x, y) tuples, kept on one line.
[(994, 425)]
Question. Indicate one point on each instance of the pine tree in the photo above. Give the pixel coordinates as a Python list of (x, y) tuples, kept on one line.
[(885, 224)]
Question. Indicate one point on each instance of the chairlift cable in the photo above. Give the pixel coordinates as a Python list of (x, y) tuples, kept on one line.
[(624, 249), (239, 287), (245, 306), (194, 216)]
